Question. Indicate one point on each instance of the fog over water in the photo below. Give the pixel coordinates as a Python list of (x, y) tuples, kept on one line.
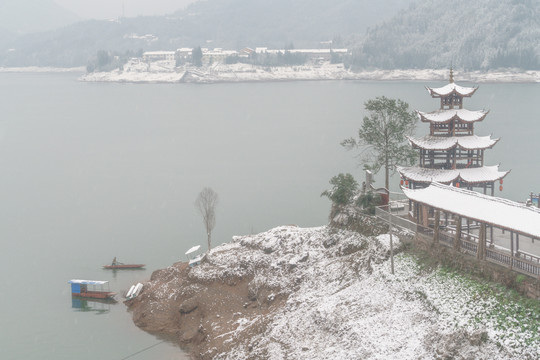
[(93, 171)]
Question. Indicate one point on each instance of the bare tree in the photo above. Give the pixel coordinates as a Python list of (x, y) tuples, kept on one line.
[(206, 204)]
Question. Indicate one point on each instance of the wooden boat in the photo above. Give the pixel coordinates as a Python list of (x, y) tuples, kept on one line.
[(80, 288), (118, 265), (124, 266)]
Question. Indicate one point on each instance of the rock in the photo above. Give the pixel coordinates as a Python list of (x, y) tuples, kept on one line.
[(188, 306)]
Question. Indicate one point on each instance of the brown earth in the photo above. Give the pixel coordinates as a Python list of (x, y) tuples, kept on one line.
[(200, 316)]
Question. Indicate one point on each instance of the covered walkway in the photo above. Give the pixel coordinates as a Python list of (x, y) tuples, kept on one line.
[(490, 228)]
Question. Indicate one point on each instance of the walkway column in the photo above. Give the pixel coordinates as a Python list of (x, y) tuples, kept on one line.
[(481, 249), (436, 226), (457, 239)]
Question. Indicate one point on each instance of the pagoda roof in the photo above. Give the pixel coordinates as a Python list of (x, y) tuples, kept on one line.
[(447, 115), (451, 88), (483, 208), (469, 175), (470, 142)]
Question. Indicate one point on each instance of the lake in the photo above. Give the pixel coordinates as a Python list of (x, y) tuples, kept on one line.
[(90, 171)]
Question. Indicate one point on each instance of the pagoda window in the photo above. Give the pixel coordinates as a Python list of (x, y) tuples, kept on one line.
[(451, 101)]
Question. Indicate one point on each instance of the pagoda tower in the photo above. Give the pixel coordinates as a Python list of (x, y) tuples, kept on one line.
[(452, 153)]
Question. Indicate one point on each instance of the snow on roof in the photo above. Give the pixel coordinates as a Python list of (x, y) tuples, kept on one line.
[(87, 282), (469, 175), (193, 249), (450, 88), (471, 142), (487, 209), (146, 53), (443, 116), (420, 174)]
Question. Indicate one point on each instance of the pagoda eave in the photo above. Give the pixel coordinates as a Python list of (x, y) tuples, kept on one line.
[(451, 88), (473, 176), (442, 143), (447, 116)]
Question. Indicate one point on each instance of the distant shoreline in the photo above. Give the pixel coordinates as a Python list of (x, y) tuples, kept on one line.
[(42, 69), (241, 73)]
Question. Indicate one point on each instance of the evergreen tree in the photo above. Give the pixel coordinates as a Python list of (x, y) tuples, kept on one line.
[(343, 189), (196, 56), (383, 134)]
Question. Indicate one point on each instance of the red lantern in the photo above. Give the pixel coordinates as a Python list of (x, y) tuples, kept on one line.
[(500, 188), (457, 185), (401, 182), (501, 181), (406, 182)]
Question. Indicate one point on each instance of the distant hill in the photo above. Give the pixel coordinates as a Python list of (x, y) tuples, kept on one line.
[(480, 34), (470, 35), (275, 23), (212, 23), (28, 16)]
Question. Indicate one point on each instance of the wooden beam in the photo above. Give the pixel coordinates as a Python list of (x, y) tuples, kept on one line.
[(511, 249), (480, 250), (436, 226), (457, 239)]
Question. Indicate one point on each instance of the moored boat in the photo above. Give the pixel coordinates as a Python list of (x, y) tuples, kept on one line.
[(91, 289), (124, 266)]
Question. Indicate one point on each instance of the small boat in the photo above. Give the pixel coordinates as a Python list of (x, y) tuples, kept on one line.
[(124, 266), (80, 288), (118, 265), (193, 257)]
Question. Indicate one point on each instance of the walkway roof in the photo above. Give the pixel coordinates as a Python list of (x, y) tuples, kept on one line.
[(491, 210)]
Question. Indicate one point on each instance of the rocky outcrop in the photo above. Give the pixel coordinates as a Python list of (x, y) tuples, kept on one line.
[(320, 293)]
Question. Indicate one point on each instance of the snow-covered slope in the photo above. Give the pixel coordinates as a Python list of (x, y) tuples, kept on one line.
[(320, 293)]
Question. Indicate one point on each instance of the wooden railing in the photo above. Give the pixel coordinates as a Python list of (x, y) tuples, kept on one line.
[(498, 257), (526, 256), (521, 262)]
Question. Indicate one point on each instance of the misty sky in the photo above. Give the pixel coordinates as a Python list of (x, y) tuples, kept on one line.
[(107, 9)]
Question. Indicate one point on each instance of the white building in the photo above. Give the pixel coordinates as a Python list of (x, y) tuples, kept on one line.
[(150, 56)]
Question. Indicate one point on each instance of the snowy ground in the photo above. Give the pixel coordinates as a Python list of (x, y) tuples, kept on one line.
[(138, 71), (343, 302)]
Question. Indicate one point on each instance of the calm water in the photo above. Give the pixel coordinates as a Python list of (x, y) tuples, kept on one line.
[(93, 171)]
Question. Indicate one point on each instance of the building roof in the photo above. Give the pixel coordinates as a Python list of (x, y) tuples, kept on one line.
[(483, 208), (444, 116), (87, 282), (159, 53), (451, 88), (468, 175), (470, 142)]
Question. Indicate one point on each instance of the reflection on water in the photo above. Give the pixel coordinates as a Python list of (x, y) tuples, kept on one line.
[(86, 305), (114, 272)]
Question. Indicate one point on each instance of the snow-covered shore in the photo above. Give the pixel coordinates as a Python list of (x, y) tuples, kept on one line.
[(167, 73), (163, 72), (320, 293)]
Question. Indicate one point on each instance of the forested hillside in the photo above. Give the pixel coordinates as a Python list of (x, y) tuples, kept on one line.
[(480, 34), (212, 23), (389, 34)]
